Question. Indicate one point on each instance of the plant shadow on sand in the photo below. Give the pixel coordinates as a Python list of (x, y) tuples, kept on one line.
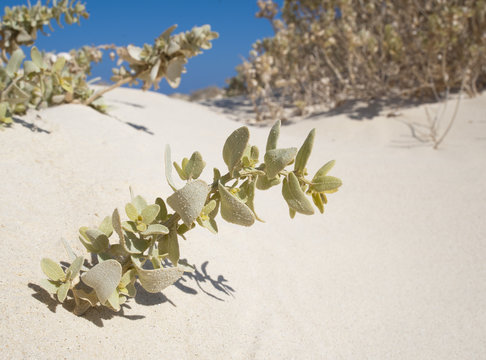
[(186, 284)]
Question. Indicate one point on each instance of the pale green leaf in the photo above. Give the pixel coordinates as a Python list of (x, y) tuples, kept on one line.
[(194, 166), (37, 58), (173, 247), (150, 213), (234, 147), (323, 170), (273, 136), (277, 159), (131, 211), (30, 67), (168, 168), (59, 64), (157, 280), (103, 278), (106, 226), (52, 269), (14, 62), (263, 183), (98, 240), (114, 300), (174, 71), (50, 286), (189, 201), (234, 210), (294, 195), (140, 203), (63, 290), (326, 183), (75, 267), (155, 229), (304, 152)]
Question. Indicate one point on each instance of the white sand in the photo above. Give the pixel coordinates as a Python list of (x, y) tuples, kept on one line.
[(395, 268)]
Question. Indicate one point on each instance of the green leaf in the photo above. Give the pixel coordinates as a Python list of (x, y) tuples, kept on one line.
[(180, 170), (155, 229), (157, 280), (189, 201), (75, 267), (103, 278), (173, 247), (129, 226), (14, 63), (263, 183), (150, 213), (127, 278), (52, 269), (62, 291), (114, 300), (234, 210), (98, 240), (249, 188), (277, 159), (194, 166), (59, 65), (139, 203), (134, 245), (50, 286), (294, 195), (106, 226), (273, 136), (318, 202), (162, 216), (168, 168), (326, 183), (30, 67), (131, 211), (323, 170), (37, 58), (304, 152), (234, 147), (116, 223)]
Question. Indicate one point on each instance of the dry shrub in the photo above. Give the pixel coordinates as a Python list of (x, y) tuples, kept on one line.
[(327, 51)]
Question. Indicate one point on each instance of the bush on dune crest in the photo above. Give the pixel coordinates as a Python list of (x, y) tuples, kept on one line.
[(325, 52)]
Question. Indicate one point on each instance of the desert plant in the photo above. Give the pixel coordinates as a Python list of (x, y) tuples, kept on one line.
[(325, 52), (50, 79), (150, 235)]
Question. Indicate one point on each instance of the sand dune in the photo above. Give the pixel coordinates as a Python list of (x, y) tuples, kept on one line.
[(395, 268)]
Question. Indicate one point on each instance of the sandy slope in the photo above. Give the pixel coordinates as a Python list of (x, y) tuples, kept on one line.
[(394, 269)]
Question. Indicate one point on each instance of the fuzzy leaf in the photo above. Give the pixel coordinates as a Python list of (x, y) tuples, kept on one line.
[(131, 211), (168, 168), (162, 215), (103, 278), (114, 300), (14, 63), (294, 195), (234, 210), (194, 166), (59, 64), (37, 58), (173, 247), (323, 170), (49, 285), (52, 269), (155, 229), (62, 291), (116, 223), (30, 67), (318, 202), (277, 159), (304, 152), (98, 240), (140, 203), (189, 201), (75, 267), (106, 226), (326, 183), (157, 280), (174, 71), (235, 146), (150, 213), (273, 136), (263, 183)]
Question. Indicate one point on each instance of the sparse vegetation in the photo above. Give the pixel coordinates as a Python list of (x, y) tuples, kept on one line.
[(326, 52)]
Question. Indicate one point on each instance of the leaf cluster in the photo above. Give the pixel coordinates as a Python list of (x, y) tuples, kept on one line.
[(145, 246)]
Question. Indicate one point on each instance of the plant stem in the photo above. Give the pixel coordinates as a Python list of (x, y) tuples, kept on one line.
[(109, 88)]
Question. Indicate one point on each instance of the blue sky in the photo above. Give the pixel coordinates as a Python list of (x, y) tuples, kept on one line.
[(126, 22)]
